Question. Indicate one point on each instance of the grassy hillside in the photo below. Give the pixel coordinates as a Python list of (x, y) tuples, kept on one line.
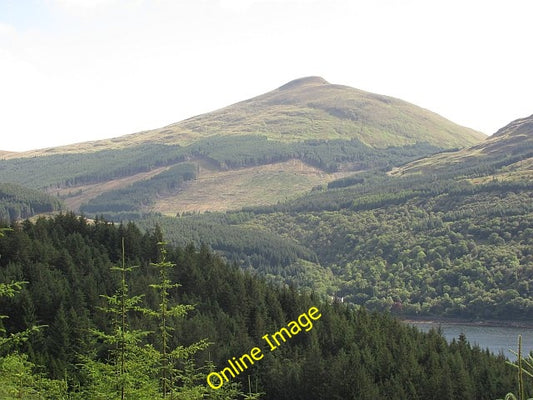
[(443, 238), (333, 130), (507, 154), (304, 109), (262, 185), (311, 108)]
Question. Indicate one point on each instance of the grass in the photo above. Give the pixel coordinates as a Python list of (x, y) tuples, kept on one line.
[(306, 109), (255, 186), (216, 190)]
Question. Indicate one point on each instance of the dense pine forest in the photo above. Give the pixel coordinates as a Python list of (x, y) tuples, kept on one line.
[(79, 325), (18, 202), (225, 152)]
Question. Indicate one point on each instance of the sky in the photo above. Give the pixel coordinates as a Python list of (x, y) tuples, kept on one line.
[(79, 70)]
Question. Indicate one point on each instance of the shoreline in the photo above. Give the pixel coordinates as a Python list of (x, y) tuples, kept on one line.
[(463, 321)]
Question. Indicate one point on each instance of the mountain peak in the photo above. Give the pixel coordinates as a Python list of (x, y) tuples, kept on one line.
[(306, 81), (304, 109), (519, 126)]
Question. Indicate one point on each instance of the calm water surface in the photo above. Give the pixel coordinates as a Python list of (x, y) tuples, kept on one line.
[(496, 338)]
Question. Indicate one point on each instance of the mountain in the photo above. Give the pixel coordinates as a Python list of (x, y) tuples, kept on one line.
[(261, 151), (305, 109), (447, 235), (522, 126), (510, 147), (312, 108)]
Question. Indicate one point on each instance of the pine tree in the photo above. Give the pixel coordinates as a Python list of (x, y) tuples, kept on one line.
[(524, 366), (18, 378), (180, 377), (128, 371), (10, 290), (174, 381)]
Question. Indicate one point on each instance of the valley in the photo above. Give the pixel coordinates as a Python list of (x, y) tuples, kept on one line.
[(312, 195), (385, 223)]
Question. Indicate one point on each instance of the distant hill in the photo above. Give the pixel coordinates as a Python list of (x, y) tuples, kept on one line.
[(506, 154), (271, 148), (7, 153), (304, 109), (312, 108)]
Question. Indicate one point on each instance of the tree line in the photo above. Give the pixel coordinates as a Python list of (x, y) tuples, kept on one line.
[(73, 169), (18, 202)]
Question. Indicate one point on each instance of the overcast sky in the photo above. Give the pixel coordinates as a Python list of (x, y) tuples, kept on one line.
[(77, 70)]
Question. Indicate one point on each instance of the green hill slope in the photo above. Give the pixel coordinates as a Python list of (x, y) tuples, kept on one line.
[(346, 353), (18, 202), (304, 109), (311, 108), (450, 236)]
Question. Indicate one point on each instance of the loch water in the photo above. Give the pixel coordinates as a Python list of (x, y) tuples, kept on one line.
[(498, 339)]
